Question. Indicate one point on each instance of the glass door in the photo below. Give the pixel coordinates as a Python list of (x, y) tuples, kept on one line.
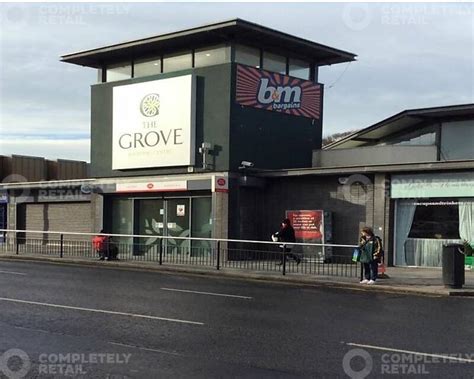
[(178, 224), (150, 221)]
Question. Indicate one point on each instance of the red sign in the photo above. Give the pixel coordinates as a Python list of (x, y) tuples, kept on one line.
[(280, 93), (220, 184), (307, 224)]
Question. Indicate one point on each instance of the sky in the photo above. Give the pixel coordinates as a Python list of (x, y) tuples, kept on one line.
[(410, 55)]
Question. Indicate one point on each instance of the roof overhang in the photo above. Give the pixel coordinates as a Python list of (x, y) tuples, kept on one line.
[(236, 30), (399, 122)]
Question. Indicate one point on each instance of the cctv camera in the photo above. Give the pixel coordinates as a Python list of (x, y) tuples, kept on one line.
[(246, 164)]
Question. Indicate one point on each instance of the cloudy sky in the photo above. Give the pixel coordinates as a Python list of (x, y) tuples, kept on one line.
[(409, 56)]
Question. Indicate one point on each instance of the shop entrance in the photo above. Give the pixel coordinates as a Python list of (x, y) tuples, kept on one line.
[(172, 217)]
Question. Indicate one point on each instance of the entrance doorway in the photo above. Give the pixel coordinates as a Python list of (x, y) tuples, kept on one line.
[(177, 217)]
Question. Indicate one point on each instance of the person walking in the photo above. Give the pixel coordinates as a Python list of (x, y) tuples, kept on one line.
[(370, 254), (286, 234)]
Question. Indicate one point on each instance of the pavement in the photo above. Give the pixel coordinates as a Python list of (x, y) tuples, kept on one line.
[(408, 280), (81, 321)]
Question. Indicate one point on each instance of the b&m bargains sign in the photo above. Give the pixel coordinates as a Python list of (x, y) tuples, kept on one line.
[(275, 92), (154, 124)]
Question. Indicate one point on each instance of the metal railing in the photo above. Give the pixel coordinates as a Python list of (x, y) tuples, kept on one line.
[(264, 256)]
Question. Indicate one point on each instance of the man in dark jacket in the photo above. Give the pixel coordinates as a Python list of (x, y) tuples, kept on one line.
[(287, 234)]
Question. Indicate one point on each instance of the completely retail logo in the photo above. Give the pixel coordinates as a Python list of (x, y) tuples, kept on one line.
[(275, 92)]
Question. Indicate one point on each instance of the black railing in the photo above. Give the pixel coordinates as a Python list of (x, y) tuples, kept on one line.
[(257, 256)]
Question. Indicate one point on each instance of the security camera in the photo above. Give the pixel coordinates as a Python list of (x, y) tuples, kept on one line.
[(246, 164)]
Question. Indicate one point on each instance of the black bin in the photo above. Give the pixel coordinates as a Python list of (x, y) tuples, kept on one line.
[(453, 266)]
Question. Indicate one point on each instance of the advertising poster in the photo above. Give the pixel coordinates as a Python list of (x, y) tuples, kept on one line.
[(278, 93), (308, 225)]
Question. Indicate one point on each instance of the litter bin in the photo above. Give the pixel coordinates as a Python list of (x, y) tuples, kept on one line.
[(453, 265)]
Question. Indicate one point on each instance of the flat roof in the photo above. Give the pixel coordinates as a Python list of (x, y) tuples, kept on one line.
[(396, 123), (235, 30)]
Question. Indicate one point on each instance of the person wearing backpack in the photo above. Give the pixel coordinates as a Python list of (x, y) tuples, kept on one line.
[(370, 254), (101, 245)]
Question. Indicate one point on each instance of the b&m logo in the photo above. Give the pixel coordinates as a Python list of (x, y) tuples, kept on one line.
[(280, 97), (275, 92)]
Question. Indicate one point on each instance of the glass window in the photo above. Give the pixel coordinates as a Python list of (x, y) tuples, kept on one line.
[(119, 72), (247, 55), (435, 219), (299, 69), (122, 220), (274, 62), (177, 62), (201, 225), (99, 75), (211, 56), (457, 140), (423, 136), (146, 67)]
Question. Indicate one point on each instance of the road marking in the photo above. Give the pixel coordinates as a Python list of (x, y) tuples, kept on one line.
[(208, 293), (101, 311), (12, 272), (146, 349), (413, 352)]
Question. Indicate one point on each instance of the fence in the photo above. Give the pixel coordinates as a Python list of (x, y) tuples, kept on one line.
[(303, 258)]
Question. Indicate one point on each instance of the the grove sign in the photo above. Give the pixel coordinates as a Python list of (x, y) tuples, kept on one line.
[(153, 124)]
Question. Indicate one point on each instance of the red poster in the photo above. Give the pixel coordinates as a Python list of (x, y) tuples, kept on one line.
[(308, 224), (279, 93)]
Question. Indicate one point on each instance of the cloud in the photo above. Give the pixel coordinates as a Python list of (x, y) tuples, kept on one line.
[(410, 55)]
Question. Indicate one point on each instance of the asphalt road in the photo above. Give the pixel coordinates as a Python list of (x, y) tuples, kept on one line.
[(68, 321)]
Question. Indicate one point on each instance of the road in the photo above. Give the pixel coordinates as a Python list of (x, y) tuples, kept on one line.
[(108, 323)]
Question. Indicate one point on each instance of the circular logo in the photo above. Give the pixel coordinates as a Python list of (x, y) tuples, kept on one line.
[(20, 372), (149, 185), (221, 182), (365, 371), (357, 16), (150, 105), (356, 189)]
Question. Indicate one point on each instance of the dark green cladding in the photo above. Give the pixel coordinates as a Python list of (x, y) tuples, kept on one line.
[(269, 139)]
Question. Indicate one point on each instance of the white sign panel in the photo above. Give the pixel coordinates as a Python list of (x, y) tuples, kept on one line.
[(154, 124), (180, 185)]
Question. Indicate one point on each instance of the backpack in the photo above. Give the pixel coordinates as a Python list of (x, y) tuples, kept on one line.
[(382, 252), (99, 242)]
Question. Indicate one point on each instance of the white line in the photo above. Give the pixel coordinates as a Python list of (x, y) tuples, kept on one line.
[(413, 352), (145, 348), (208, 293), (101, 311), (12, 272)]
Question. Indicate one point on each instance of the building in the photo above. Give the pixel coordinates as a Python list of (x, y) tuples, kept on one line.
[(216, 132), (174, 116), (38, 208)]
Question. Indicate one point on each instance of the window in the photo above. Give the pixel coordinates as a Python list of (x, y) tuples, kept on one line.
[(211, 56), (177, 62), (119, 72), (274, 62), (457, 140), (423, 136), (435, 219), (247, 55), (99, 75), (146, 67), (299, 69)]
